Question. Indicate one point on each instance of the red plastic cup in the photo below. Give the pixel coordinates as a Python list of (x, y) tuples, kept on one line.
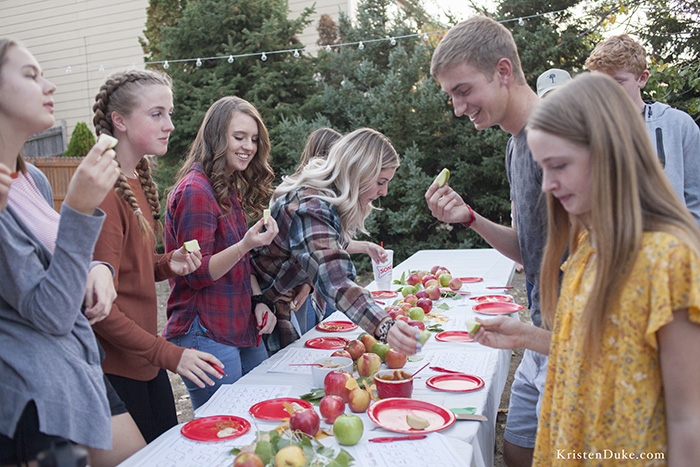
[(393, 388)]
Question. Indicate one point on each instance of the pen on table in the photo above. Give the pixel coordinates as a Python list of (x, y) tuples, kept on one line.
[(216, 367), (380, 302), (264, 322)]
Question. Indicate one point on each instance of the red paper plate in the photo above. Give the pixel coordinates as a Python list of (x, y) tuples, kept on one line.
[(493, 298), (471, 279), (496, 308), (336, 326), (208, 428), (327, 343), (384, 293), (455, 382), (390, 414), (273, 409), (454, 336)]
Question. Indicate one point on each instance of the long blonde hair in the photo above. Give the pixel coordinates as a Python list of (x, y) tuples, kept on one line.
[(354, 162), (210, 148), (318, 144), (119, 94), (630, 193)]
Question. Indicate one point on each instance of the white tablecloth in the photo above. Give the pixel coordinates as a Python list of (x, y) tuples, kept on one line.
[(470, 442)]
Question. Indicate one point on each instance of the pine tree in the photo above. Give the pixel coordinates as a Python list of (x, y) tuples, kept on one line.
[(81, 141)]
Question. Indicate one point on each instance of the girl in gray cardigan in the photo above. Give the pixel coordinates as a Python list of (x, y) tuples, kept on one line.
[(51, 381)]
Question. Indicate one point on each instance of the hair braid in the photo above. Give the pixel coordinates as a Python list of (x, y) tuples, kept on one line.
[(117, 94)]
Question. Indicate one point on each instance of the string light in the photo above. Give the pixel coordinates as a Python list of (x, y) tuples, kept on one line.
[(102, 69), (295, 52)]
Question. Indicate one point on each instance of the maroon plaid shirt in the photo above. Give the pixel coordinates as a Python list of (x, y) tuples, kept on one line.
[(223, 306)]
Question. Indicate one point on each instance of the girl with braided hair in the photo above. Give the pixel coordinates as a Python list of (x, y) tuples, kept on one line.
[(135, 108), (225, 179)]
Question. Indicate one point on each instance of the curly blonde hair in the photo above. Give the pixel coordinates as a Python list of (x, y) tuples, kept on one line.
[(119, 94), (210, 147)]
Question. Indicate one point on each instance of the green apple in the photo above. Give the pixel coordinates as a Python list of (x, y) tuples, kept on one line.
[(416, 313), (442, 177), (423, 336), (380, 349), (348, 429), (191, 246), (408, 290), (472, 326), (445, 279)]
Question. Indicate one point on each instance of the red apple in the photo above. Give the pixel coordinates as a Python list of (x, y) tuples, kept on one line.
[(355, 348), (331, 407), (431, 283), (455, 283), (368, 340), (410, 298), (395, 359), (426, 278), (359, 400), (435, 269), (368, 364), (422, 294), (422, 274), (305, 420), (335, 384), (419, 324), (403, 318), (413, 279), (426, 304), (341, 353), (405, 306), (396, 313), (247, 459), (433, 292)]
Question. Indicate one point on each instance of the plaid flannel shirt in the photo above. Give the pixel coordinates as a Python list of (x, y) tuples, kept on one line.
[(223, 306), (308, 249)]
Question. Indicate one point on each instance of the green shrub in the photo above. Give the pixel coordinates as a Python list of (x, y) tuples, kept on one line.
[(81, 141)]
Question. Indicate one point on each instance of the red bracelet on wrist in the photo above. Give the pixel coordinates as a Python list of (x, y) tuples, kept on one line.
[(469, 223)]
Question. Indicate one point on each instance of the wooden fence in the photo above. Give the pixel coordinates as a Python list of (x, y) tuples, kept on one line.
[(59, 171)]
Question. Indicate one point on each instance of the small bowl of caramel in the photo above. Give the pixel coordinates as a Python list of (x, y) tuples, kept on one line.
[(393, 383)]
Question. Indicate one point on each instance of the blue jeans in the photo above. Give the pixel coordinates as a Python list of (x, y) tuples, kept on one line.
[(237, 361)]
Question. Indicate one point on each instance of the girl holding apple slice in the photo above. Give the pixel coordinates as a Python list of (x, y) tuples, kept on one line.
[(626, 320), (318, 211), (52, 384), (135, 107), (225, 180)]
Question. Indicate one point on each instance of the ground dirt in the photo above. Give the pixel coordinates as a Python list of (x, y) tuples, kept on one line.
[(184, 408)]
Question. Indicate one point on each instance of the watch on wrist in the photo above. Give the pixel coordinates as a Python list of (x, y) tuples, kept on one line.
[(383, 331)]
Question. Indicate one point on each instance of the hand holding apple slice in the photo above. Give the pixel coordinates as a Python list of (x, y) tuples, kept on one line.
[(112, 140), (472, 326), (266, 216)]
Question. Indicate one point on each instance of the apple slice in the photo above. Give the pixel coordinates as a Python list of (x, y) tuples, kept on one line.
[(442, 178), (266, 216), (112, 140), (417, 423), (472, 326), (423, 336), (191, 246)]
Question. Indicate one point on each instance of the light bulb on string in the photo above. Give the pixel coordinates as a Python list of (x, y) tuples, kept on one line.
[(425, 36), (199, 62), (296, 53), (521, 22), (393, 41), (230, 58), (102, 69), (68, 69), (166, 65), (361, 45), (328, 48), (263, 57)]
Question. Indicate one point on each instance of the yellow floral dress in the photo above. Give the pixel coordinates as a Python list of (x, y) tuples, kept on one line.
[(610, 410)]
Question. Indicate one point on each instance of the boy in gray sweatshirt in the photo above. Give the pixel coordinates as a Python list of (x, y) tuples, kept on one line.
[(673, 132)]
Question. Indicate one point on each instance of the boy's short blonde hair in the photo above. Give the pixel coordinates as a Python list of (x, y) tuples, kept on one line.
[(480, 42), (618, 53)]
